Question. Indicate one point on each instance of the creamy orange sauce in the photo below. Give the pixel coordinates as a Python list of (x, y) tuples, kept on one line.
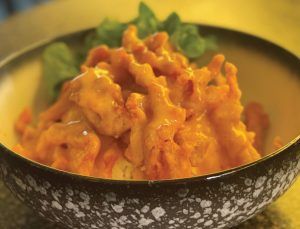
[(143, 111)]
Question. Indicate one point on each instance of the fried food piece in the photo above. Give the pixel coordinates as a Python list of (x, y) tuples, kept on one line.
[(96, 55), (277, 143), (142, 111), (106, 160), (69, 144), (198, 140), (70, 147), (25, 118), (55, 112), (19, 149), (226, 117), (136, 105), (161, 152), (258, 122), (102, 103), (163, 157)]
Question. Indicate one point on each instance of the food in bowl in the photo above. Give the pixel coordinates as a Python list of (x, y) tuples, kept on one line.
[(144, 111), (216, 200)]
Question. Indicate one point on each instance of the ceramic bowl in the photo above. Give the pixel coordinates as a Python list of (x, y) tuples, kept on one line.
[(217, 200)]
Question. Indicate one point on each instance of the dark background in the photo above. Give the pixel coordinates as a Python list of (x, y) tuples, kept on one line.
[(9, 7)]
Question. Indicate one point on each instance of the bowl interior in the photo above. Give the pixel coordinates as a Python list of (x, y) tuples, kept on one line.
[(267, 74)]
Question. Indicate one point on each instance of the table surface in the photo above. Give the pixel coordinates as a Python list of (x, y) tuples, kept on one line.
[(278, 21)]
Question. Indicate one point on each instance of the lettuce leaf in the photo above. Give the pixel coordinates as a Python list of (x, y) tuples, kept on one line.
[(188, 41), (172, 23), (59, 65), (146, 22), (109, 32)]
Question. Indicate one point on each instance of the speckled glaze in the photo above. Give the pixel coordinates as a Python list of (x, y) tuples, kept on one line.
[(214, 201)]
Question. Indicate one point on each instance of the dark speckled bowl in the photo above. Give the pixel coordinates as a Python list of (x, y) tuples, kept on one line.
[(213, 201)]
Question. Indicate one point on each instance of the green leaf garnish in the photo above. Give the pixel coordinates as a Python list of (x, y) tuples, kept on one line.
[(59, 66), (185, 37), (110, 32), (188, 41), (172, 23), (146, 22)]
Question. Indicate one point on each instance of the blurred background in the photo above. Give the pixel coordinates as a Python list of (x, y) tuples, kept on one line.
[(8, 7), (276, 20)]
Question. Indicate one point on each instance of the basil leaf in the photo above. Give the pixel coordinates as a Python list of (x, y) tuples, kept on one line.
[(91, 40), (172, 23), (59, 66), (188, 41), (110, 32), (146, 22)]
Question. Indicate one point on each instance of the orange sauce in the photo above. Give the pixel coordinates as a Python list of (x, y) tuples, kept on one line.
[(143, 111)]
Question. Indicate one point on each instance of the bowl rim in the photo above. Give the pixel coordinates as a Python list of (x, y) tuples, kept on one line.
[(205, 177)]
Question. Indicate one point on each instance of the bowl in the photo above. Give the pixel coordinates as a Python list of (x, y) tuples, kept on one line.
[(217, 200)]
